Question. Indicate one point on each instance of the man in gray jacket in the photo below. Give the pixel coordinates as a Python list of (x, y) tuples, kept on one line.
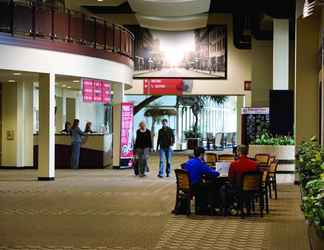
[(165, 142)]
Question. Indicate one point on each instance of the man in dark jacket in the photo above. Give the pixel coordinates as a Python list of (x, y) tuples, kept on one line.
[(165, 142)]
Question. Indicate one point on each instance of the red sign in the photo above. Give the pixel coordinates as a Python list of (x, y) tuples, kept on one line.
[(163, 86), (87, 90), (126, 134), (96, 91)]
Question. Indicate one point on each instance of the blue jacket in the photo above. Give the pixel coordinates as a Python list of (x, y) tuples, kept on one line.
[(196, 168)]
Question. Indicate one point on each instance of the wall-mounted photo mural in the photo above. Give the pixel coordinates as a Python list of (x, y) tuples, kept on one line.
[(196, 54)]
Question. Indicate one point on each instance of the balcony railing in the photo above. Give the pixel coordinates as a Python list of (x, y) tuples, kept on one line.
[(28, 20)]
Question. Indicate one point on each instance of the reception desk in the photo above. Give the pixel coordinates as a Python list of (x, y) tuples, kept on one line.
[(96, 151)]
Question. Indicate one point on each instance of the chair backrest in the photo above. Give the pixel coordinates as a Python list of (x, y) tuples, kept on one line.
[(274, 166), (183, 180), (226, 157), (251, 181), (219, 139), (211, 158), (262, 158), (271, 160)]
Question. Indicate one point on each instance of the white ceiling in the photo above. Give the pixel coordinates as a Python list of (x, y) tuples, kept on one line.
[(173, 15)]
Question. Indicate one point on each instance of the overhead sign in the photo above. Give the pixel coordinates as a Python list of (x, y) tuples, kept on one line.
[(255, 111), (96, 91), (167, 86)]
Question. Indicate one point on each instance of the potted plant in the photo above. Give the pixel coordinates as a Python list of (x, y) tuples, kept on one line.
[(310, 166), (282, 147), (192, 136)]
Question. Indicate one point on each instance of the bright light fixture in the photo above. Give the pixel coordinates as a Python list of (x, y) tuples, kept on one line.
[(69, 87), (17, 74), (63, 85), (76, 81), (11, 81)]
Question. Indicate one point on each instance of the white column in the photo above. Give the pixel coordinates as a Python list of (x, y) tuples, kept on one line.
[(280, 54), (118, 97), (239, 106), (46, 138)]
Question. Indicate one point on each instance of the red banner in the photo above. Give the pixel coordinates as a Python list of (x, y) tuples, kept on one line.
[(163, 87), (106, 92), (126, 135)]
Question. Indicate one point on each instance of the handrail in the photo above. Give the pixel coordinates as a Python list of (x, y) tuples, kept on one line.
[(26, 19)]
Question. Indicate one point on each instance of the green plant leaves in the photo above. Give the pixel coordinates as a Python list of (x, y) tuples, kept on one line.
[(265, 138)]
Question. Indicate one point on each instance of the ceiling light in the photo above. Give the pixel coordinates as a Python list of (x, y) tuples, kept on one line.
[(17, 74), (69, 87), (100, 0), (11, 81), (63, 85), (76, 81)]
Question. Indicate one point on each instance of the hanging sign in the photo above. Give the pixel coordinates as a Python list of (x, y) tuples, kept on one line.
[(96, 91), (163, 87)]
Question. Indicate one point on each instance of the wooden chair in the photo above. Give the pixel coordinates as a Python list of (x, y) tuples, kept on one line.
[(184, 191), (273, 178), (226, 157), (271, 160), (211, 159), (251, 188), (262, 159)]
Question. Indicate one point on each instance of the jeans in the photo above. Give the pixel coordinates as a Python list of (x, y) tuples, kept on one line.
[(142, 155), (165, 156), (75, 155)]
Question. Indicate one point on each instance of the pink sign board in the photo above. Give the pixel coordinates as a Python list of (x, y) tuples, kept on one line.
[(126, 134), (106, 92), (96, 91), (87, 90)]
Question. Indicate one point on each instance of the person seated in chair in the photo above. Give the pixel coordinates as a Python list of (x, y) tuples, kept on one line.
[(237, 169), (241, 166), (196, 168)]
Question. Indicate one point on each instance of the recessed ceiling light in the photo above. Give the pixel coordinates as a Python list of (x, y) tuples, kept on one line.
[(17, 74), (100, 0), (76, 81), (69, 87), (11, 81), (63, 85)]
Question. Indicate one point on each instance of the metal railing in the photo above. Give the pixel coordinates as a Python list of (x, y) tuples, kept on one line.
[(27, 19)]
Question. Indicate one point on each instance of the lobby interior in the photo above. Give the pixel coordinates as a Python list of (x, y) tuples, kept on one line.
[(241, 60)]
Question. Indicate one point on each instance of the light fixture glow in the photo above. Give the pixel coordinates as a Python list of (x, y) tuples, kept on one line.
[(17, 74), (11, 81), (63, 85), (76, 81)]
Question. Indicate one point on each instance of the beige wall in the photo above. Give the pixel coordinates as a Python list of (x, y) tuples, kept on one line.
[(262, 72), (306, 78), (17, 118), (239, 68)]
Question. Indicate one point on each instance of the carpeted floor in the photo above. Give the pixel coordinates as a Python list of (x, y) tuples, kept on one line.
[(112, 209)]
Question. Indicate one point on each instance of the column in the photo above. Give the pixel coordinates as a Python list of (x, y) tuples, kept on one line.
[(46, 137), (280, 54), (118, 97), (239, 106), (59, 113), (307, 78)]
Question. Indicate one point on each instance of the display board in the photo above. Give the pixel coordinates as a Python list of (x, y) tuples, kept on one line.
[(97, 91), (254, 120), (194, 54), (126, 134)]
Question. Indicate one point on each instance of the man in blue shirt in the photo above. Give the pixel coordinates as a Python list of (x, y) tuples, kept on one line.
[(196, 168)]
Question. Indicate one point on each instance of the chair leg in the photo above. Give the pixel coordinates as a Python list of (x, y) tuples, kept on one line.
[(275, 186), (261, 205), (188, 207), (270, 194), (266, 200)]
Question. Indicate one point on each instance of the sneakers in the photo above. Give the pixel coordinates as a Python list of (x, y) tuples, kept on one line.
[(160, 176)]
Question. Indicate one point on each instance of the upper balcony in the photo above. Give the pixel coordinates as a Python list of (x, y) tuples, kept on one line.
[(23, 23)]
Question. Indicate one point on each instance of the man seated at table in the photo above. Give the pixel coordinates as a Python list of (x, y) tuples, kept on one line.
[(196, 168), (241, 166)]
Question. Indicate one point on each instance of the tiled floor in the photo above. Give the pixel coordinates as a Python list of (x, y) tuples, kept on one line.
[(112, 209)]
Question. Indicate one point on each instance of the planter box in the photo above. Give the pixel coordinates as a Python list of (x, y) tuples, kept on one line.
[(281, 152), (192, 143), (316, 238)]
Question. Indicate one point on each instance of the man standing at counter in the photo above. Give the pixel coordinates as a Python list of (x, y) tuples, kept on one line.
[(76, 135), (165, 142)]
